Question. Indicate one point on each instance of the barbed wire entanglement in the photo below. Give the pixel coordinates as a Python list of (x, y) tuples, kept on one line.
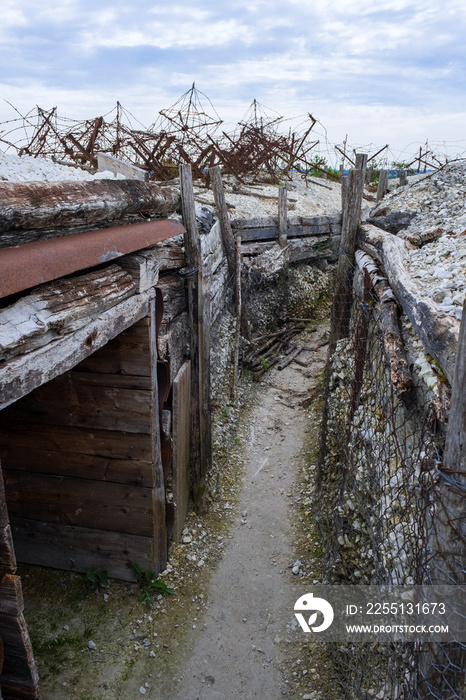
[(388, 511), (262, 144)]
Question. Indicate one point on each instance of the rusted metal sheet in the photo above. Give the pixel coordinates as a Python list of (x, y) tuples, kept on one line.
[(34, 263)]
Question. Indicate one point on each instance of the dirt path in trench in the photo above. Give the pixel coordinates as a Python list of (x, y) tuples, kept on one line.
[(240, 643)]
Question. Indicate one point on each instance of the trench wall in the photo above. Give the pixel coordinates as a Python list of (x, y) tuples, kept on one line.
[(385, 507)]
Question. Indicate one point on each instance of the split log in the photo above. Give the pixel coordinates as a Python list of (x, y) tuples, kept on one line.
[(389, 324), (24, 373), (439, 335), (59, 308), (28, 208)]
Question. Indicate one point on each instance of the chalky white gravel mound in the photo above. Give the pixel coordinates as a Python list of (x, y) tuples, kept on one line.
[(439, 267), (14, 168)]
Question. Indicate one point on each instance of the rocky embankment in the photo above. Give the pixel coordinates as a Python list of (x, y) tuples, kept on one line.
[(437, 204)]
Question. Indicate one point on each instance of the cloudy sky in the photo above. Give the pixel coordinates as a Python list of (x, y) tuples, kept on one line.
[(383, 71)]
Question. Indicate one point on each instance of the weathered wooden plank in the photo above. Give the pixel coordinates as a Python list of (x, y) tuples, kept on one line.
[(159, 542), (82, 502), (11, 595), (61, 307), (126, 354), (133, 472), (439, 335), (118, 167), (24, 373), (75, 548), (19, 678), (104, 443), (263, 222), (34, 206), (117, 381), (144, 268), (170, 254), (174, 342), (181, 441), (63, 401), (257, 234), (174, 295)]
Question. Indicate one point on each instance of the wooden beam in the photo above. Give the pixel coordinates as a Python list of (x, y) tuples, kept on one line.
[(24, 373), (59, 308), (39, 206), (389, 324), (439, 335)]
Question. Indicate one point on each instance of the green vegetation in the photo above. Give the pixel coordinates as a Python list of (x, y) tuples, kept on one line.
[(149, 584)]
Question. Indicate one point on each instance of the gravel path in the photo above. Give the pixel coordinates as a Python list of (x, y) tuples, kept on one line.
[(248, 625)]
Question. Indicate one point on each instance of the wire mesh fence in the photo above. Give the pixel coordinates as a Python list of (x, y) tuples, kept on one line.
[(388, 510)]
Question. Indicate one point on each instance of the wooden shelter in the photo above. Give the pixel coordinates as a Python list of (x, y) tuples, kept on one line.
[(89, 402)]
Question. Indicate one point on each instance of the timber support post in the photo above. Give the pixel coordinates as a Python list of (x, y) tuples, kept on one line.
[(194, 283), (228, 240), (352, 191), (282, 216), (382, 187)]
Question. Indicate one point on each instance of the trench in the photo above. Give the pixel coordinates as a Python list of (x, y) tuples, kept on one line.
[(246, 643)]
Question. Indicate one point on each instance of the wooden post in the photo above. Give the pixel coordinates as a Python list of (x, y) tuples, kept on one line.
[(228, 239), (352, 191), (382, 188), (193, 259), (222, 213), (403, 178), (368, 178), (325, 169), (341, 173), (282, 216), (361, 162)]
